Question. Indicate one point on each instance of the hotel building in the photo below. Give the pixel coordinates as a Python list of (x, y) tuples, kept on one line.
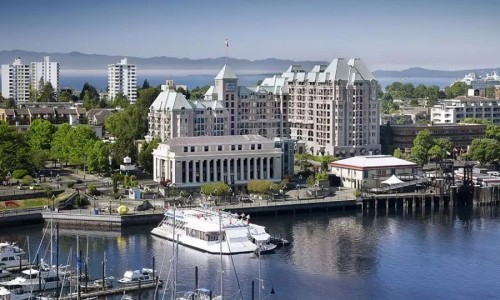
[(333, 109), (16, 81), (122, 78)]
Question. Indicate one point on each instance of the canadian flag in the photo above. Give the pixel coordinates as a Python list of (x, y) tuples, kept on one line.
[(226, 42)]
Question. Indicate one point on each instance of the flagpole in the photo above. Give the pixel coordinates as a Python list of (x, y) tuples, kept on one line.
[(226, 43)]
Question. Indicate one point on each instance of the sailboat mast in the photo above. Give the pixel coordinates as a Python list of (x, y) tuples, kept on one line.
[(173, 256), (220, 255)]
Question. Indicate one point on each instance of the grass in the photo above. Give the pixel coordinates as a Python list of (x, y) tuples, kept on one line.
[(33, 202)]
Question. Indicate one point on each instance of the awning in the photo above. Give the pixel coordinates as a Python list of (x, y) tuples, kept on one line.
[(392, 180)]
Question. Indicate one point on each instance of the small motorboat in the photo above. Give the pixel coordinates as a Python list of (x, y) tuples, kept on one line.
[(279, 241), (4, 273), (267, 248), (134, 277)]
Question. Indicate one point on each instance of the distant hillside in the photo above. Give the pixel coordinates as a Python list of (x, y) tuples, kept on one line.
[(81, 61), (421, 72)]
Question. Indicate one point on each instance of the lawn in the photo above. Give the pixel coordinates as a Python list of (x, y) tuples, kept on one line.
[(33, 202)]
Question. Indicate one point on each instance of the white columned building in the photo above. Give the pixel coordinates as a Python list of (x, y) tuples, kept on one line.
[(189, 162)]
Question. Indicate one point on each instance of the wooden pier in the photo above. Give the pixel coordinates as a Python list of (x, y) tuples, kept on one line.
[(114, 291), (405, 201)]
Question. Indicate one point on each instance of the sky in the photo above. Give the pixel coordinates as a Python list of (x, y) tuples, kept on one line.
[(386, 34)]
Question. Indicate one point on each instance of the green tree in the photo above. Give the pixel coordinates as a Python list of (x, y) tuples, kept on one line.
[(61, 143), (14, 151), (199, 92), (485, 150), (397, 153), (91, 89), (39, 137), (66, 95), (181, 90), (421, 146), (489, 92), (47, 93), (97, 157), (89, 101), (421, 91), (146, 155), (80, 139), (456, 89), (145, 84), (414, 103), (121, 100)]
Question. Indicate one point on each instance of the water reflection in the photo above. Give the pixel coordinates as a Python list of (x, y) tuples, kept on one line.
[(398, 254)]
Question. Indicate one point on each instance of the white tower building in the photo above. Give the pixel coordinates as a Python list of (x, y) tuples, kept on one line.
[(16, 81), (45, 71), (122, 78)]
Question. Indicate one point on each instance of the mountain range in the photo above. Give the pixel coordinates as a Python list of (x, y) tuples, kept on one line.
[(77, 61)]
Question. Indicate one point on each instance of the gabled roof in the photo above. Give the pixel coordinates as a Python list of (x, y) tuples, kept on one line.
[(226, 73), (171, 99)]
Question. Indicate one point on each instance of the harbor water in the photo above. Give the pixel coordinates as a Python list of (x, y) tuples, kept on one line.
[(452, 254)]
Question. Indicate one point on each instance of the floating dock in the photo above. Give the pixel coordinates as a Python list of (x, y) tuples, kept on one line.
[(114, 291)]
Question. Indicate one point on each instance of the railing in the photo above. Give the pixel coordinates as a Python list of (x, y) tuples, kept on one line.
[(400, 185)]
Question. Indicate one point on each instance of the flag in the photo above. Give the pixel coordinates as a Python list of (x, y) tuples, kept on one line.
[(226, 42)]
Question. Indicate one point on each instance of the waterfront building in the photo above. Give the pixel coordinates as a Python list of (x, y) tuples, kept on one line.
[(189, 162), (458, 109), (332, 109), (478, 82), (363, 172), (122, 78), (44, 72), (402, 136), (16, 81)]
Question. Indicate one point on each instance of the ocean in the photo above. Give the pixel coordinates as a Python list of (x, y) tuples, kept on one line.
[(192, 81)]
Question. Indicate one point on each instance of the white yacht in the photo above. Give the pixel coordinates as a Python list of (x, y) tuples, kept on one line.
[(11, 255), (33, 280), (5, 294), (133, 277), (200, 229)]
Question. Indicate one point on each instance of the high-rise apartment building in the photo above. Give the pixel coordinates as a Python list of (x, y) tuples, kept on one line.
[(44, 72), (122, 78), (16, 81), (331, 110)]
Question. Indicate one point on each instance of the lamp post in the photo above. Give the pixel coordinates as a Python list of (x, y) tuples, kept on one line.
[(298, 193), (110, 160), (84, 159), (8, 178), (53, 199)]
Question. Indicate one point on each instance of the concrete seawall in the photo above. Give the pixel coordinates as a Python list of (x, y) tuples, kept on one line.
[(28, 218)]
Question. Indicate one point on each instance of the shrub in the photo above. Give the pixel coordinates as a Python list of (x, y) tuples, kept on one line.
[(357, 193), (93, 190), (71, 184), (311, 180), (21, 173), (322, 176), (27, 180), (215, 189), (260, 186), (132, 180)]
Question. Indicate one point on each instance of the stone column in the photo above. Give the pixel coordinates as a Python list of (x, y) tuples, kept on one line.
[(241, 169), (268, 164), (207, 170), (155, 173), (248, 168), (193, 171), (261, 168)]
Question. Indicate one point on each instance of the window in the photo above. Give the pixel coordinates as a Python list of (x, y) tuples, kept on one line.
[(219, 148), (252, 147), (206, 148), (259, 146), (240, 147), (185, 149), (233, 147), (192, 148)]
